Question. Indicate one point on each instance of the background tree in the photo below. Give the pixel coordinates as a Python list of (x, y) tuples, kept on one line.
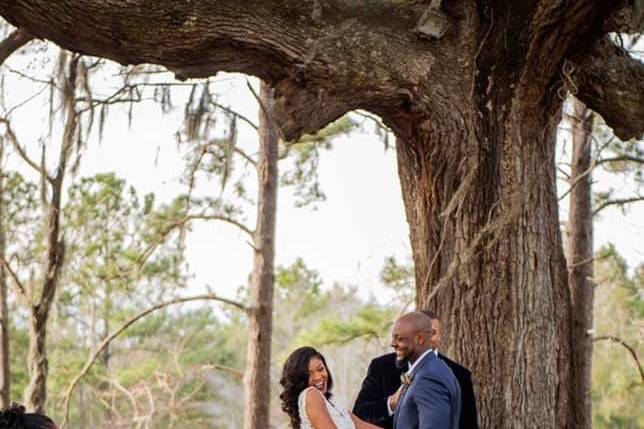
[(11, 43), (218, 157), (618, 377)]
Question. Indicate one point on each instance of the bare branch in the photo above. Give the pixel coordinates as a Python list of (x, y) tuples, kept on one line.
[(99, 349), (628, 347), (114, 382), (16, 145), (222, 218), (238, 115), (621, 158), (590, 169), (14, 277), (246, 156), (25, 101), (236, 149), (617, 202), (13, 42), (149, 251), (234, 371), (33, 79)]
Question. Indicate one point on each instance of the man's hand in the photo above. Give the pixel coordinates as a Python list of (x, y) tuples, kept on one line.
[(393, 399)]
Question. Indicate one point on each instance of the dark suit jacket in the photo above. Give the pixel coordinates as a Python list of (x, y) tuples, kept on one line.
[(433, 399), (383, 379)]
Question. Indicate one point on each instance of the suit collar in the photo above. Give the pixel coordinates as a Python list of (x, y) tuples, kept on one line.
[(428, 355)]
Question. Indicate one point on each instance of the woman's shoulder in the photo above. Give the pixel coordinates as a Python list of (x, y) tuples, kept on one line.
[(311, 394)]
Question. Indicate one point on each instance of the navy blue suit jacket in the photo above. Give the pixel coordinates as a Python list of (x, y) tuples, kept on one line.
[(383, 379), (433, 399)]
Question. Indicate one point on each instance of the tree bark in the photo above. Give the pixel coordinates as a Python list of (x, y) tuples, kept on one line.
[(580, 256), (16, 40), (475, 113), (487, 251), (257, 393), (5, 374)]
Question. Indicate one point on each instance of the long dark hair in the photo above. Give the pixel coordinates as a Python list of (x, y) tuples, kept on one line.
[(15, 417), (295, 378)]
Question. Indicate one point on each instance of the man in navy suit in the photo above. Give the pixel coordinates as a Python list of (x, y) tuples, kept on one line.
[(430, 397), (380, 389)]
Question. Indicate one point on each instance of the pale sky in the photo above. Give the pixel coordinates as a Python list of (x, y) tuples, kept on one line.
[(346, 238)]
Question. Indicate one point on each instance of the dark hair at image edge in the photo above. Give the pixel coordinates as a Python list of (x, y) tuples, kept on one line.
[(15, 417), (295, 378)]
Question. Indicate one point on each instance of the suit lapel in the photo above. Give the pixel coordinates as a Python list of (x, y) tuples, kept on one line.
[(403, 395)]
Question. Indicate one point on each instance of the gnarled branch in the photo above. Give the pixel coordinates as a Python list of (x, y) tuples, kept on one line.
[(611, 82), (16, 40), (325, 61)]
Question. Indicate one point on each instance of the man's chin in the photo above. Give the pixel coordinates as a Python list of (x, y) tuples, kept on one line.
[(402, 362)]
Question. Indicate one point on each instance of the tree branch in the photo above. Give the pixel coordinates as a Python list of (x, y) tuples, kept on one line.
[(14, 277), (222, 218), (99, 349), (609, 81), (630, 349), (303, 55), (621, 158), (13, 42), (617, 202), (236, 114), (234, 371), (21, 152)]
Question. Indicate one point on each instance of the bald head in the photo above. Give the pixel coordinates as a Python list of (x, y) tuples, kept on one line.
[(411, 335), (416, 320)]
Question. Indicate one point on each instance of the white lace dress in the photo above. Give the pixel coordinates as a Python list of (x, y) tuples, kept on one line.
[(339, 414)]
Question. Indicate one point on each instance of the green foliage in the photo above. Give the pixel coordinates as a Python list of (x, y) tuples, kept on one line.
[(22, 223), (400, 278), (618, 391), (19, 346), (369, 322)]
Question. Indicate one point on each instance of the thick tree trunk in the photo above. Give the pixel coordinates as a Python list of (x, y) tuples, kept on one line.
[(258, 357), (480, 201), (5, 374), (580, 257)]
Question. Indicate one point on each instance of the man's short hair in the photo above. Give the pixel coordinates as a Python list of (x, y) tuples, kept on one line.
[(430, 314)]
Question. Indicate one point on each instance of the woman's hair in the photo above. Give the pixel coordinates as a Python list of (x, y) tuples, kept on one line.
[(295, 378), (15, 417)]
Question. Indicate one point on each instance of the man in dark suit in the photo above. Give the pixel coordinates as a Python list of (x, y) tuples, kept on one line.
[(380, 392)]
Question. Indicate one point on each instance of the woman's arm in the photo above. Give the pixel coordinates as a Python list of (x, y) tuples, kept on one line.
[(316, 410), (361, 424)]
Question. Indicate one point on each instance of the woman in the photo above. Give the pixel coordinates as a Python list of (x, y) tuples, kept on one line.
[(307, 398), (15, 417)]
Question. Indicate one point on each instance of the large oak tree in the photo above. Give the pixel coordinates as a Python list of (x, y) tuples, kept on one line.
[(474, 111)]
